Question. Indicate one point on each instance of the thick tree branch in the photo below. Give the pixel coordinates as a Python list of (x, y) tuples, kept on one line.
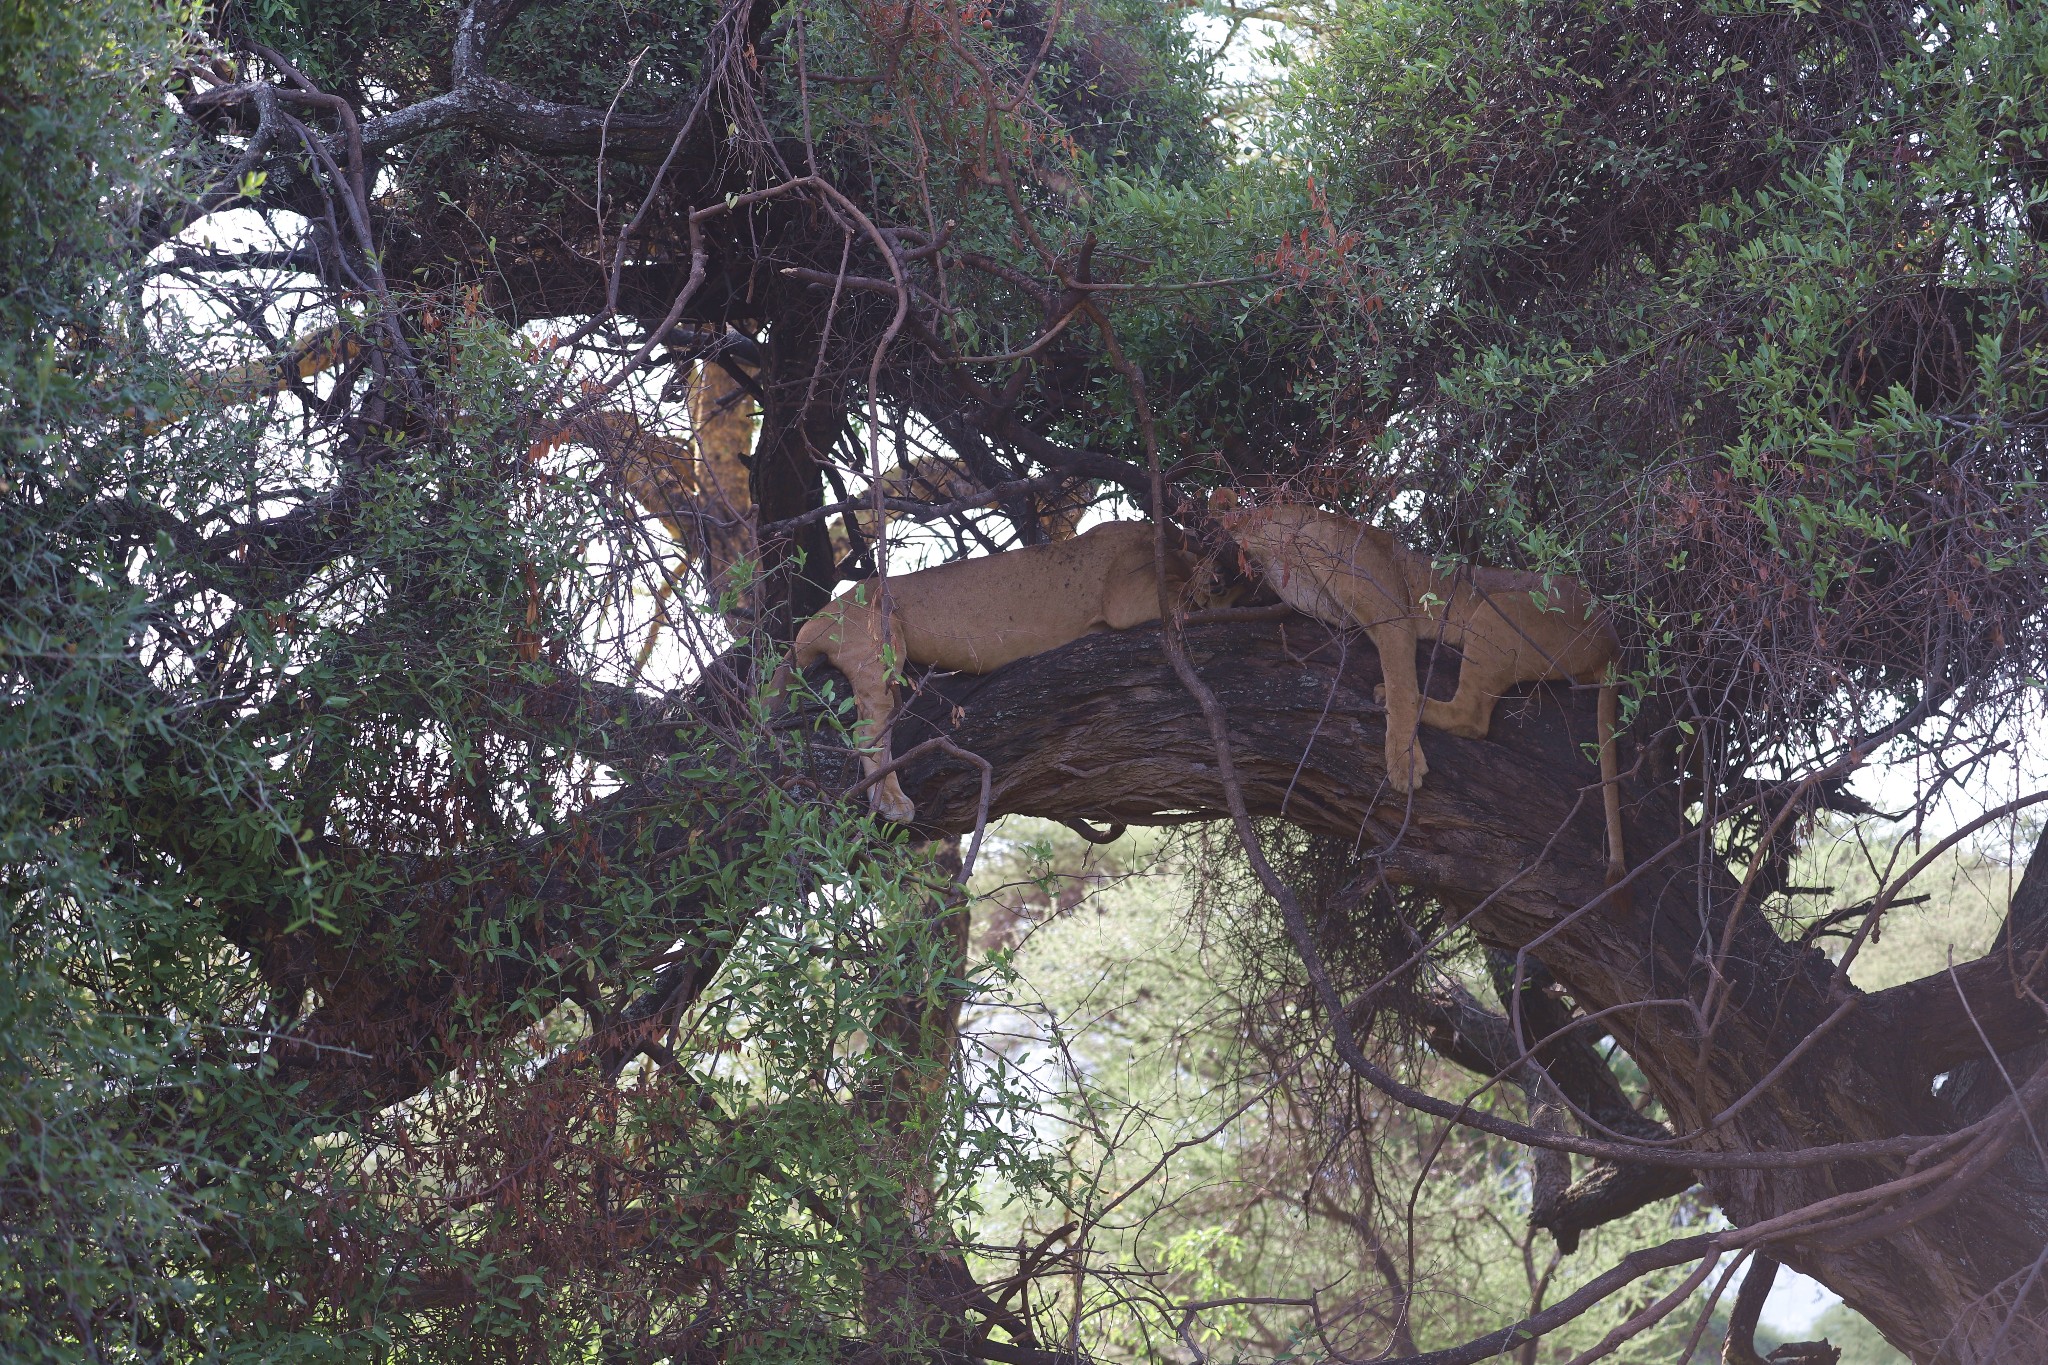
[(458, 961), (508, 114), (451, 956), (1947, 1018), (1100, 730)]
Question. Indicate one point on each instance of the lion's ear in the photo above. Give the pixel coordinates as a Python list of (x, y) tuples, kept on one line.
[(1222, 500)]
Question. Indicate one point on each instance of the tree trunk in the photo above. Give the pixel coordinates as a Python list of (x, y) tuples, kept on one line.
[(1509, 829), (804, 414)]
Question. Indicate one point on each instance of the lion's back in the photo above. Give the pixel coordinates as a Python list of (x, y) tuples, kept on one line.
[(975, 615)]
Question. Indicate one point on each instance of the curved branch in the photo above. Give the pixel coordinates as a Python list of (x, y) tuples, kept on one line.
[(510, 115), (1099, 730)]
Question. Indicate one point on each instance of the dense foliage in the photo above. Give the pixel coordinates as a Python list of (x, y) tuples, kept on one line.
[(425, 940), (1733, 307)]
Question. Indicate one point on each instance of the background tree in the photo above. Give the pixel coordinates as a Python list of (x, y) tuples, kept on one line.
[(424, 941)]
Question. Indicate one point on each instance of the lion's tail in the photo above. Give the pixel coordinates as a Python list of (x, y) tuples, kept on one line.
[(1610, 781)]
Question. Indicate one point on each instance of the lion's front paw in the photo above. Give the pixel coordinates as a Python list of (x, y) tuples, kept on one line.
[(1406, 768), (889, 802), (1379, 694)]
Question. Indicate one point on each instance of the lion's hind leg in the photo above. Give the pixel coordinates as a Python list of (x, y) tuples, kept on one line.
[(1130, 597), (1486, 674)]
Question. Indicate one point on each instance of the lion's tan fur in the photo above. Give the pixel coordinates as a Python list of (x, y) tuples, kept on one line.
[(976, 615), (659, 471), (935, 480), (722, 418), (327, 349), (1511, 627), (696, 488)]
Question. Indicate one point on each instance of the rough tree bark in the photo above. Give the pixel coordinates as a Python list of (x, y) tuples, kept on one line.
[(1751, 1043), (1508, 830), (804, 414)]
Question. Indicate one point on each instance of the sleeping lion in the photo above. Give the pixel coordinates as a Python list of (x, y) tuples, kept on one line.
[(974, 616), (1511, 627)]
